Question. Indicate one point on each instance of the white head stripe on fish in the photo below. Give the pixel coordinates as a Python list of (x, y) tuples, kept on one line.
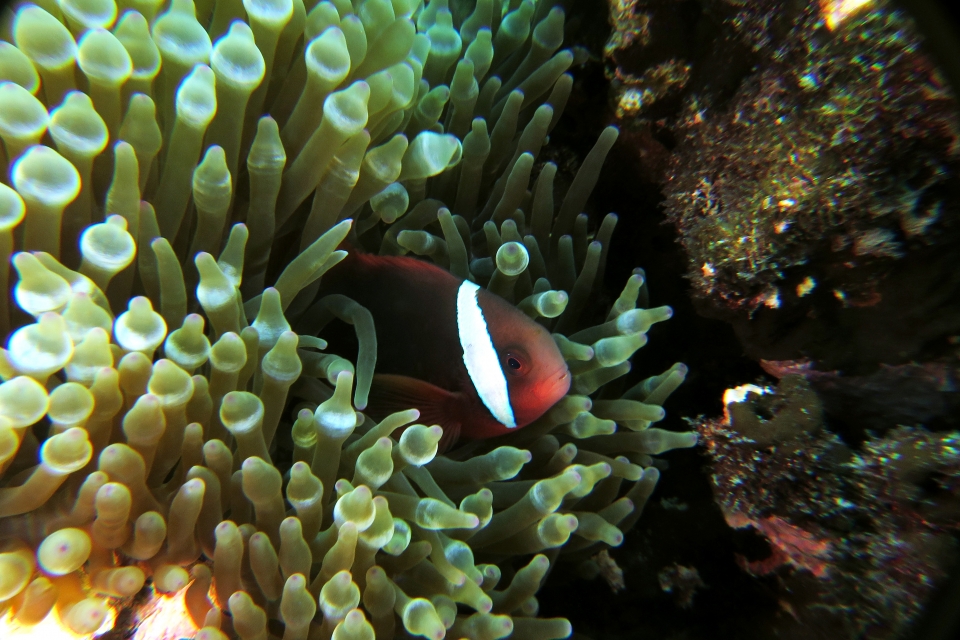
[(483, 364)]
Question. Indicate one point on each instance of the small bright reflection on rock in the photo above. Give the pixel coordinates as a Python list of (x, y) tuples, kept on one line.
[(836, 11), (739, 394)]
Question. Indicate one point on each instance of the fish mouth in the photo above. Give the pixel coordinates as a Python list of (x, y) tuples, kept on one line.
[(560, 385)]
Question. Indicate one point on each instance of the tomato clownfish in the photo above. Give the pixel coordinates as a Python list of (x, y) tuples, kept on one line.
[(467, 359)]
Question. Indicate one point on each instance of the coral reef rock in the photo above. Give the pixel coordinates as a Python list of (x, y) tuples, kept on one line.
[(815, 192), (858, 538)]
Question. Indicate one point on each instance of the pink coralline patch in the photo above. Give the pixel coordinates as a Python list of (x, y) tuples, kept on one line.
[(791, 546), (781, 368)]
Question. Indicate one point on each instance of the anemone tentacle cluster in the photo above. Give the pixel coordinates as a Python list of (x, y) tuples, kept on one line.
[(160, 422)]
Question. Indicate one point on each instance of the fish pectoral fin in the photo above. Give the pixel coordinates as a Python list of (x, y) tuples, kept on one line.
[(451, 433), (390, 393)]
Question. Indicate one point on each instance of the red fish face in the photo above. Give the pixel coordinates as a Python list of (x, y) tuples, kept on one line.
[(536, 382), (536, 375)]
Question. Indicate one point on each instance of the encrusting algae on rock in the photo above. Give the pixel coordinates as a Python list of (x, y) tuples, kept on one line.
[(161, 423)]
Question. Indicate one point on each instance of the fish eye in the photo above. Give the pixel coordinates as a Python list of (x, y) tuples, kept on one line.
[(515, 363)]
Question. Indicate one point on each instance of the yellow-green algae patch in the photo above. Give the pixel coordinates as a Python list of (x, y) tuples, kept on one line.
[(179, 178)]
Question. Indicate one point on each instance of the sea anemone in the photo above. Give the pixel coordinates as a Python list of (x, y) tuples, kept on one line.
[(166, 164)]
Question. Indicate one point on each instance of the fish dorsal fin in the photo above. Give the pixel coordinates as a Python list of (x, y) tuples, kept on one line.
[(390, 393)]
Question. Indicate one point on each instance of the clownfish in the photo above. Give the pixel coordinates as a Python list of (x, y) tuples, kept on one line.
[(467, 359)]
